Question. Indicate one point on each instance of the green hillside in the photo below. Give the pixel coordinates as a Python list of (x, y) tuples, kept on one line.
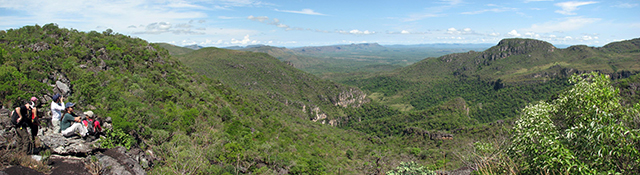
[(175, 50), (263, 74), (194, 124), (499, 81), (404, 133), (220, 111)]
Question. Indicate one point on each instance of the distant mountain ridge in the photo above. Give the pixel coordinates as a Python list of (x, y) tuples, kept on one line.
[(516, 60), (194, 47), (500, 80), (339, 48)]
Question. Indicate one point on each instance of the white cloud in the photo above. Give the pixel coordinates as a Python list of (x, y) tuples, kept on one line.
[(513, 33), (258, 18), (166, 27), (244, 41), (570, 6), (625, 5), (303, 11), (465, 31), (186, 5), (407, 32), (117, 15), (568, 24), (494, 34), (357, 32)]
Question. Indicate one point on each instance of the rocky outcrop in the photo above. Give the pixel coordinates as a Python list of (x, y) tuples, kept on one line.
[(119, 161), (508, 47), (64, 88), (67, 146), (41, 46), (351, 97)]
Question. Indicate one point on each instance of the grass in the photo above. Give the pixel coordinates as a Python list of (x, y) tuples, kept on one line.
[(12, 157), (402, 107)]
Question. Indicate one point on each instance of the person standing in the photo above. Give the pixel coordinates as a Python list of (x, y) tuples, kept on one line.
[(33, 122), (21, 119), (70, 124), (57, 106)]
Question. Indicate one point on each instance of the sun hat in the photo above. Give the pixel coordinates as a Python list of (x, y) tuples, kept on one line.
[(89, 114), (69, 104)]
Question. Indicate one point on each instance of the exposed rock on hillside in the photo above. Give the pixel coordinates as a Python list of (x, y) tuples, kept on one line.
[(65, 146), (352, 97), (120, 162), (508, 47)]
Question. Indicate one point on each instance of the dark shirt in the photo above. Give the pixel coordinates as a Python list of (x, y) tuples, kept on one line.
[(26, 116), (67, 121)]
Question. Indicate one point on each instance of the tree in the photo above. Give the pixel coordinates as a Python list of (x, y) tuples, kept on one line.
[(585, 130), (410, 168)]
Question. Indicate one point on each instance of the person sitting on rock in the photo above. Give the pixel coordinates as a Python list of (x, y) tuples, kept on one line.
[(91, 123), (57, 106), (70, 124)]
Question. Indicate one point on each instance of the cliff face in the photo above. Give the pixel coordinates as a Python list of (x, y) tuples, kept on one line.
[(508, 47), (351, 97)]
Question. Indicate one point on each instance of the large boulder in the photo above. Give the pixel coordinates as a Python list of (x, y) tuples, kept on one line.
[(66, 146), (5, 119), (68, 165), (118, 161), (64, 88)]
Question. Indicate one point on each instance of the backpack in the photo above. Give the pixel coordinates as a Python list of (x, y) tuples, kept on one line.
[(15, 116), (88, 123)]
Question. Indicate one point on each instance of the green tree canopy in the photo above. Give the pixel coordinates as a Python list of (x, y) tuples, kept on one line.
[(585, 130)]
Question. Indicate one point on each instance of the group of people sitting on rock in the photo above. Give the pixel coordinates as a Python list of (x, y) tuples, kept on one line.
[(63, 121)]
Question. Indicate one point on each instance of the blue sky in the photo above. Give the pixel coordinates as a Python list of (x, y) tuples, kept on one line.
[(295, 23)]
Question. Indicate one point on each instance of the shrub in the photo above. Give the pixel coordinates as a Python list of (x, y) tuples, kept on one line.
[(585, 131), (410, 168)]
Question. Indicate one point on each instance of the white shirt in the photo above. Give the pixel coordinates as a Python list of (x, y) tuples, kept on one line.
[(56, 111)]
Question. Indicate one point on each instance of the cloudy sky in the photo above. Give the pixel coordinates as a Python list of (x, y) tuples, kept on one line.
[(294, 23)]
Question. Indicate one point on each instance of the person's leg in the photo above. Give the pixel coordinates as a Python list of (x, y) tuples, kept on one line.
[(71, 130), (82, 130), (75, 128), (34, 130), (56, 125), (24, 143)]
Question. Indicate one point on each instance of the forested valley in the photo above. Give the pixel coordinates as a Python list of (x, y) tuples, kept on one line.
[(522, 106)]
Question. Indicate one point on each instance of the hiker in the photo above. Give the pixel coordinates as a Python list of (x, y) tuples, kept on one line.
[(21, 119), (34, 124), (91, 124), (70, 123), (57, 106)]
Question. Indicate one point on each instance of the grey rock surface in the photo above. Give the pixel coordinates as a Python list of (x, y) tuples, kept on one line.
[(64, 146), (120, 162), (64, 88)]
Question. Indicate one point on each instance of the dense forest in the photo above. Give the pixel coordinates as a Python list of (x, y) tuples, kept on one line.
[(220, 111)]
